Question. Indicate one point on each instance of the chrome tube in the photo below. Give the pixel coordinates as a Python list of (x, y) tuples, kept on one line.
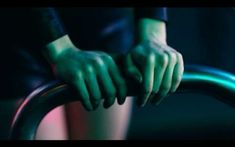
[(214, 82)]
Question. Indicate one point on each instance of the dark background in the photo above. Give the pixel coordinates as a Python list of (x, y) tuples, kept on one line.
[(204, 36)]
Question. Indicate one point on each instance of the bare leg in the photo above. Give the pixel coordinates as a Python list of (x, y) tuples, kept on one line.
[(102, 124), (105, 124), (53, 126)]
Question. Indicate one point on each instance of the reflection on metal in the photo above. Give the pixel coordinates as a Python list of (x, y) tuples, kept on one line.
[(217, 83), (214, 82)]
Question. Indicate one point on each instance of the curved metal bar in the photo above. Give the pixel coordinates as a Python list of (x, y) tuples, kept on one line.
[(217, 83)]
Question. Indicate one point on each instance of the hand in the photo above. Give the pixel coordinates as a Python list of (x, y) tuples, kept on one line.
[(94, 75), (158, 67)]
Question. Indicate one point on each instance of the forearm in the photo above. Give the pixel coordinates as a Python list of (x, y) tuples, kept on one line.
[(57, 47), (53, 38), (147, 29), (48, 25), (151, 23), (152, 28)]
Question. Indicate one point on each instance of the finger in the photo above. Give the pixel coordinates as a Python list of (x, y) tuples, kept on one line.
[(93, 87), (132, 71), (83, 92), (106, 85), (177, 73), (148, 77), (119, 82), (167, 79), (159, 70)]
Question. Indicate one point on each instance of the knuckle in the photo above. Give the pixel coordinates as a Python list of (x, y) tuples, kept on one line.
[(97, 61), (89, 68), (151, 58), (180, 59), (101, 53), (163, 60), (179, 56), (172, 56), (107, 57), (77, 75)]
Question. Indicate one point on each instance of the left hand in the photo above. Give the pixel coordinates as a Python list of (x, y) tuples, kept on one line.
[(158, 67)]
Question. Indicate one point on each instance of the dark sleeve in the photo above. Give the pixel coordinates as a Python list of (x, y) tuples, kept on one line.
[(48, 26), (159, 13)]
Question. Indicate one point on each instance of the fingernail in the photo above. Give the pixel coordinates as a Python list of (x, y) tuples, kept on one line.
[(143, 100), (172, 90), (156, 104), (159, 101), (139, 79), (106, 105), (122, 101), (89, 109), (95, 105), (153, 94), (142, 105), (122, 97)]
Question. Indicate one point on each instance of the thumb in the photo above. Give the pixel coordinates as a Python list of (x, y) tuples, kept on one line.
[(132, 71)]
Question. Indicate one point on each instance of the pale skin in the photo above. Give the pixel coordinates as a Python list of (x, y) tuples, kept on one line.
[(152, 62), (160, 67), (94, 74)]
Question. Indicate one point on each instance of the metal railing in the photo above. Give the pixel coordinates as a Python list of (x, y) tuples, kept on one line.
[(214, 82)]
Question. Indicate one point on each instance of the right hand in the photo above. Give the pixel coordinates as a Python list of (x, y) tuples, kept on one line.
[(94, 75)]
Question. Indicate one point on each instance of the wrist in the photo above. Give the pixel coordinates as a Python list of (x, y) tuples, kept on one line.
[(57, 47), (152, 29)]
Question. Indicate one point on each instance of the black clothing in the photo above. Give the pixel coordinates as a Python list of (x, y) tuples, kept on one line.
[(24, 67)]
